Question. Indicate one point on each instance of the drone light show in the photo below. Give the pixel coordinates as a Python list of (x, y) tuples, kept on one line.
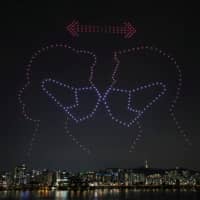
[(99, 101), (102, 98), (127, 30)]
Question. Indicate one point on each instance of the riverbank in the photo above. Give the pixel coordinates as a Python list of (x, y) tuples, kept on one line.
[(67, 188)]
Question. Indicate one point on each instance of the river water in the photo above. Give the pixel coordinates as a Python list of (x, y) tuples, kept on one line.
[(106, 194)]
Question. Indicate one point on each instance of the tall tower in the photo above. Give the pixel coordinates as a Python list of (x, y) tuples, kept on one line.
[(146, 164)]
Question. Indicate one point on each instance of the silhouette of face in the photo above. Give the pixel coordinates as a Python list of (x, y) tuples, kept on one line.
[(75, 91)]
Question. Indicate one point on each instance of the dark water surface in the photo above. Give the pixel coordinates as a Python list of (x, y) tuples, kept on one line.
[(106, 194)]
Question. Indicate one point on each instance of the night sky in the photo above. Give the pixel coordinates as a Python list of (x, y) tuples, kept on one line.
[(27, 27)]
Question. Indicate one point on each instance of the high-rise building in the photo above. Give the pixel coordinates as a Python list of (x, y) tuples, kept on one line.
[(20, 175)]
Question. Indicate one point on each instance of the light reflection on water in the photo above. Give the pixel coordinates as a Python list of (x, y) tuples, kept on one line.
[(104, 194)]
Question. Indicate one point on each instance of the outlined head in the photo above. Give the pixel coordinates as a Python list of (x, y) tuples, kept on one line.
[(142, 75)]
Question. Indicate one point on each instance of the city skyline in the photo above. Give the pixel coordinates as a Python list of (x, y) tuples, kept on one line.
[(145, 165), (23, 178)]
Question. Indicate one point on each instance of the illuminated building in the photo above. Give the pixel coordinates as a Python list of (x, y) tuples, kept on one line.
[(62, 179), (20, 177)]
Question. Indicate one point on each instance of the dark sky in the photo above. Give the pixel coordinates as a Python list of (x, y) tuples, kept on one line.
[(27, 27)]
